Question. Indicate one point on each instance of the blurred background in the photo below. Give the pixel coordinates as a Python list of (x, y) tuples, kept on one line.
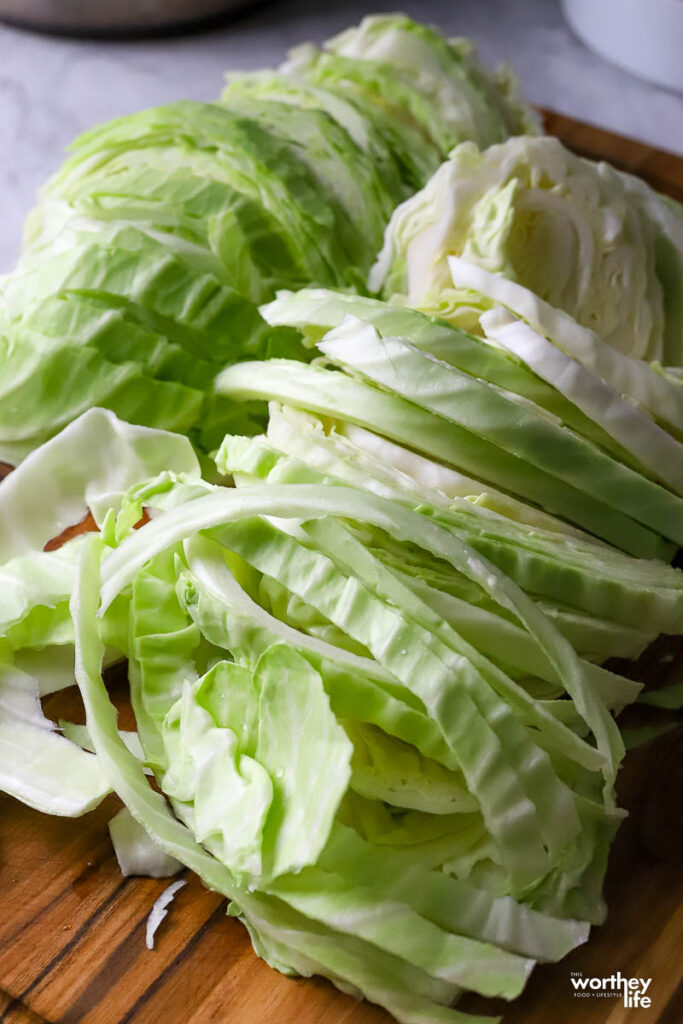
[(52, 87)]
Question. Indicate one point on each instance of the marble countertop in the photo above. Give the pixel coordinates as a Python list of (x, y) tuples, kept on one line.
[(52, 88)]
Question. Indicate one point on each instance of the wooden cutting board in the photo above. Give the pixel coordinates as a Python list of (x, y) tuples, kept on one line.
[(72, 930)]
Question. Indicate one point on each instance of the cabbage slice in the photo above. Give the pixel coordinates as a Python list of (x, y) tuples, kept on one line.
[(513, 427), (338, 396), (314, 311), (90, 465), (659, 452), (660, 396)]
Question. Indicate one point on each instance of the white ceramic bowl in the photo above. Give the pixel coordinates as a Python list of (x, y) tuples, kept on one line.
[(643, 36)]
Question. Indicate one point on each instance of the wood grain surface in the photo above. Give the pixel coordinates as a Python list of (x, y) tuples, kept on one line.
[(72, 930)]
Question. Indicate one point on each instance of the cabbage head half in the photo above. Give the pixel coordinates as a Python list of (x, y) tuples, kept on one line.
[(587, 239)]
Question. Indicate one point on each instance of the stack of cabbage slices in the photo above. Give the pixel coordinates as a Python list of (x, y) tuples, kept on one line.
[(374, 396)]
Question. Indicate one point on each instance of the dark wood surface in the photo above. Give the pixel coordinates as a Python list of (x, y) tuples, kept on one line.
[(72, 930)]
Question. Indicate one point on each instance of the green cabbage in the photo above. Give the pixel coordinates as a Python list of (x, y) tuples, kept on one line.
[(367, 679)]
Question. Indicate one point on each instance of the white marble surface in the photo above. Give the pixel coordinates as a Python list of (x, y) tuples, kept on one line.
[(52, 88)]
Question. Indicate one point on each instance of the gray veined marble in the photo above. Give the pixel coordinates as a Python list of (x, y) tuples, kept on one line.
[(52, 88)]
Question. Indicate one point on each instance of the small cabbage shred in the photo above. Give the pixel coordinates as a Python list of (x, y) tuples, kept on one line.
[(355, 535), (160, 910)]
